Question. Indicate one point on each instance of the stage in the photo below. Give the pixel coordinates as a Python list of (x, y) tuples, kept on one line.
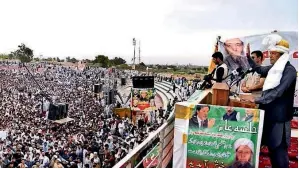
[(65, 120)]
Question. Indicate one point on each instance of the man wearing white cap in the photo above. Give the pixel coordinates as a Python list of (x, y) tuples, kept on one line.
[(277, 99), (244, 153)]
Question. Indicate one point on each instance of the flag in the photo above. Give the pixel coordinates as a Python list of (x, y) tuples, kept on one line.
[(212, 64), (248, 50), (295, 55)]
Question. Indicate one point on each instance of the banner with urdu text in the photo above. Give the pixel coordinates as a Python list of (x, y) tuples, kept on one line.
[(220, 136)]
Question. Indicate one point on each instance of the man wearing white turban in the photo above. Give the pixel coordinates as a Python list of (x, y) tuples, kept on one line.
[(277, 99), (244, 153)]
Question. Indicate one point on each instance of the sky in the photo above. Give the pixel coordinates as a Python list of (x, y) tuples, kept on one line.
[(169, 31)]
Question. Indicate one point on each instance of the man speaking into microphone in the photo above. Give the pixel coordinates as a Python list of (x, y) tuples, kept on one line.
[(218, 75), (277, 99)]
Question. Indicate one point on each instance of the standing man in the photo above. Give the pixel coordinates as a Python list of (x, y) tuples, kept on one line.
[(277, 100), (253, 82), (221, 71)]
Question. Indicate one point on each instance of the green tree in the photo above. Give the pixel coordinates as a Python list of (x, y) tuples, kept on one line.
[(142, 64), (68, 59), (36, 59), (49, 59), (4, 56), (86, 61), (117, 61), (24, 53), (206, 69), (10, 56), (159, 66), (123, 66), (74, 60), (103, 60)]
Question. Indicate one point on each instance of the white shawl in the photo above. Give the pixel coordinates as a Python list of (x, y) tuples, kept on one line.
[(275, 73)]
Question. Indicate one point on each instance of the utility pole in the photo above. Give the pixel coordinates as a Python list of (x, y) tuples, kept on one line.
[(139, 53), (134, 44)]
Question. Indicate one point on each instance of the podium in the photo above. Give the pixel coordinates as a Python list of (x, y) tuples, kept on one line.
[(238, 102), (221, 97), (220, 94)]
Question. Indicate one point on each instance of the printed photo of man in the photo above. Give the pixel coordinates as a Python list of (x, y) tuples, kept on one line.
[(244, 153), (249, 115), (200, 118), (143, 95), (135, 102), (231, 115), (234, 54)]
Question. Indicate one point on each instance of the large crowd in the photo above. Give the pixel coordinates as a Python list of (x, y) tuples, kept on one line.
[(95, 138)]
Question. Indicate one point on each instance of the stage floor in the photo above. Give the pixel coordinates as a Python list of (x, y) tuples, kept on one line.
[(65, 120)]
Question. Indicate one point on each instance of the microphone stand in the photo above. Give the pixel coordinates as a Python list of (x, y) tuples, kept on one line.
[(237, 82)]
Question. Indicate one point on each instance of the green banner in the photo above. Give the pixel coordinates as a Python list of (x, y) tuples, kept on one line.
[(195, 96), (151, 159), (222, 137)]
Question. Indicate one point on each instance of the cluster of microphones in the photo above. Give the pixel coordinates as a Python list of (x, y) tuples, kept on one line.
[(234, 77)]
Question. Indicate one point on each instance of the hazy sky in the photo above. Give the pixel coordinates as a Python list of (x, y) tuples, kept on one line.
[(171, 31)]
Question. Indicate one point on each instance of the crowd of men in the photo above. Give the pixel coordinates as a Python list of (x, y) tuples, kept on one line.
[(95, 138), (181, 86)]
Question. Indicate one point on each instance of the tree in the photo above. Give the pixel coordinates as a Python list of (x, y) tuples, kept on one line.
[(103, 60), (10, 56), (123, 66), (206, 69), (68, 59), (4, 56), (49, 59), (24, 53), (74, 60), (117, 61), (86, 61), (36, 59), (142, 64), (57, 59)]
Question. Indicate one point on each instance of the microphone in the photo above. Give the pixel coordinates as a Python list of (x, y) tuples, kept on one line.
[(250, 70), (234, 73), (242, 76)]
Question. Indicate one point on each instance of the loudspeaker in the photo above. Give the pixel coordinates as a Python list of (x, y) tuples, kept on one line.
[(53, 111), (97, 88), (143, 82), (111, 97), (123, 81), (60, 112), (67, 109)]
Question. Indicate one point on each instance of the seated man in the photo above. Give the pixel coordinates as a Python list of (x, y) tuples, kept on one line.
[(253, 82)]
